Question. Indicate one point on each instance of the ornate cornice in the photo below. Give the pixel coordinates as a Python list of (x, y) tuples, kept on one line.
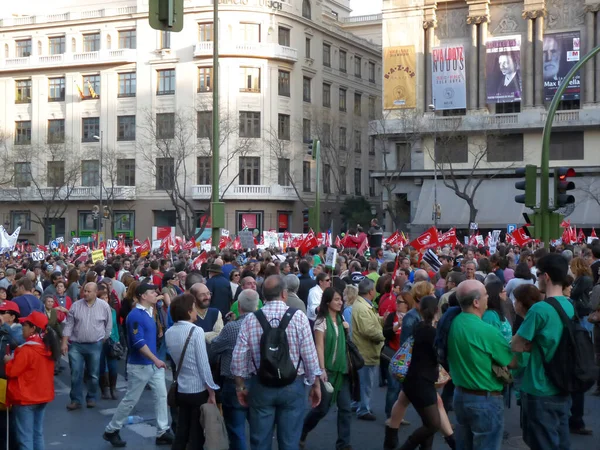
[(592, 8), (431, 23), (476, 20), (534, 14)]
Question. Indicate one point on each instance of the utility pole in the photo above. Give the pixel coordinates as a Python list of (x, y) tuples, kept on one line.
[(101, 209), (435, 176), (318, 186)]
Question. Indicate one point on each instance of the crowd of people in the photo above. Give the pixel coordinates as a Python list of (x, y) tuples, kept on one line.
[(275, 339)]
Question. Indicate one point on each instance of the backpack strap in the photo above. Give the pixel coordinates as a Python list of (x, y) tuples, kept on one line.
[(287, 317), (560, 311), (262, 320)]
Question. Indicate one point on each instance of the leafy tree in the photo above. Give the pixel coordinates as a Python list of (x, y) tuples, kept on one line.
[(356, 211)]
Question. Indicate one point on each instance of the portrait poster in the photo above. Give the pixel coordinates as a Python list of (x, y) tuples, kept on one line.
[(448, 77), (561, 53), (399, 78), (503, 69)]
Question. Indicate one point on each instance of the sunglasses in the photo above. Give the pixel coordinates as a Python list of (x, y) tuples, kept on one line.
[(327, 279), (401, 302)]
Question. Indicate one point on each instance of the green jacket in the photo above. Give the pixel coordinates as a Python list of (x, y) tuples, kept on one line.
[(367, 332)]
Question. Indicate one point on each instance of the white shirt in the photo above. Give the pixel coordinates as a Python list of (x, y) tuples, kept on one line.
[(314, 300), (149, 309)]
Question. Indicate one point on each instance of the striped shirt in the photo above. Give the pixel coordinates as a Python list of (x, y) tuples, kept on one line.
[(88, 324), (195, 375)]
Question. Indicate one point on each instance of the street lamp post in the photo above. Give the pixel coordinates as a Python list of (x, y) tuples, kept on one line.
[(435, 201), (101, 209)]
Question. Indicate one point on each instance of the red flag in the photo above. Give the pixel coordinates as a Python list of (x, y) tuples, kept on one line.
[(520, 237), (593, 235), (363, 246), (103, 246), (297, 241), (200, 259), (189, 245), (393, 239), (581, 236), (237, 243), (120, 250), (338, 242), (448, 238), (80, 249), (566, 223), (224, 241), (145, 247), (429, 239), (309, 242), (43, 248)]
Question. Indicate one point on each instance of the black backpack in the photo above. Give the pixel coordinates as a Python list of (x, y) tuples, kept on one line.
[(572, 369), (276, 368)]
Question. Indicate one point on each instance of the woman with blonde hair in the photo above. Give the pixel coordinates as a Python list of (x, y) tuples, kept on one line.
[(580, 292), (350, 296)]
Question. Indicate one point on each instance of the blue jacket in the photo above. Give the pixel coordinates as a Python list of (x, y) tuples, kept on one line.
[(411, 319), (141, 330), (220, 291)]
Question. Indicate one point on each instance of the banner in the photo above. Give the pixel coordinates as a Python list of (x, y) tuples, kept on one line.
[(97, 256), (503, 69), (399, 79), (561, 53), (448, 77)]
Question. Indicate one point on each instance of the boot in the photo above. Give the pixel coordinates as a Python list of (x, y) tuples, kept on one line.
[(451, 441), (391, 438), (104, 386), (113, 386), (410, 445)]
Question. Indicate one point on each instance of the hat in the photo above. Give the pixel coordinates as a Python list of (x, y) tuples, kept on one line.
[(145, 287), (37, 318), (215, 268), (9, 306)]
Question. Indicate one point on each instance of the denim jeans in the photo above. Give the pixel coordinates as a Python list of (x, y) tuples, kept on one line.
[(29, 426), (284, 407), (344, 415), (235, 416), (393, 390), (106, 363), (88, 354), (480, 421), (367, 376), (140, 376), (546, 421)]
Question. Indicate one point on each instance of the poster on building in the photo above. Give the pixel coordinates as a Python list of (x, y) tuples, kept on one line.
[(399, 78), (561, 53), (448, 77), (503, 69)]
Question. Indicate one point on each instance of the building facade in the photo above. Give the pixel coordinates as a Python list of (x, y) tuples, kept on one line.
[(484, 75), (96, 98)]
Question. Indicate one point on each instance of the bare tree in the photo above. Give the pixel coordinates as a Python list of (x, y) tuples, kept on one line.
[(590, 187)]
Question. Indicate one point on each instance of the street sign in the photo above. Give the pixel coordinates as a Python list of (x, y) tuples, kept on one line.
[(511, 227), (473, 226)]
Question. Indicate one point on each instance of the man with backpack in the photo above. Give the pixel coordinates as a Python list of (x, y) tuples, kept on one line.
[(276, 352)]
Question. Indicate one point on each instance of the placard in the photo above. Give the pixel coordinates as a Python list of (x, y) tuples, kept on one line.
[(97, 256), (331, 257), (37, 256), (111, 244), (246, 239), (271, 239), (156, 244)]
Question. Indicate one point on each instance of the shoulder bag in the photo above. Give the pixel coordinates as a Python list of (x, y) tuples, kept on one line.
[(355, 359), (172, 394)]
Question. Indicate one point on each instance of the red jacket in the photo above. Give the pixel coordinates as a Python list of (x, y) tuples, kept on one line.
[(61, 316), (30, 374)]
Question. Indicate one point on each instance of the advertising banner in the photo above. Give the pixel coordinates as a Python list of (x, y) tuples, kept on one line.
[(561, 53), (448, 77), (503, 69), (399, 78)]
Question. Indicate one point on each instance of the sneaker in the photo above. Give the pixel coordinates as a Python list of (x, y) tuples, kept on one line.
[(166, 438), (114, 438), (73, 406), (405, 423), (370, 417)]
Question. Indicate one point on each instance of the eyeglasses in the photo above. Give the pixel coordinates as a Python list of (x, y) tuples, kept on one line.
[(401, 302), (236, 274), (539, 274)]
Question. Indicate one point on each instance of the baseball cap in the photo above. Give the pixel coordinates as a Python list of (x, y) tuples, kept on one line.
[(145, 287), (37, 318), (10, 306)]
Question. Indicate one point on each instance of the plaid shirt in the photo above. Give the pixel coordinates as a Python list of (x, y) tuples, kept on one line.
[(246, 354), (224, 344)]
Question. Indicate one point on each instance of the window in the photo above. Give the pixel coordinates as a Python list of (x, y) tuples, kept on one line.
[(306, 134), (165, 39), (91, 86), (508, 108), (403, 156), (307, 47), (56, 174), (56, 131), (126, 128), (205, 32), (306, 89), (165, 174), (306, 9), (165, 125), (90, 172), (357, 104), (326, 179), (127, 84), (371, 184), (342, 139), (166, 82), (566, 145), (23, 48), (357, 141), (205, 79), (284, 36), (506, 148), (372, 72), (343, 99), (249, 170), (250, 79), (205, 124), (127, 39), (91, 42), (56, 89), (357, 67), (22, 174), (342, 180), (452, 150), (204, 167), (249, 124), (371, 145), (283, 171), (126, 172), (23, 132), (343, 61), (306, 176), (372, 103), (20, 219), (357, 182), (284, 83), (326, 95), (90, 128), (57, 45), (23, 91), (327, 55), (250, 32), (326, 135), (283, 127), (124, 223), (88, 221)]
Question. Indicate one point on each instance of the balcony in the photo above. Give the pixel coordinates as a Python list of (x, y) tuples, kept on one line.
[(64, 17), (79, 193), (247, 50), (118, 56), (246, 192)]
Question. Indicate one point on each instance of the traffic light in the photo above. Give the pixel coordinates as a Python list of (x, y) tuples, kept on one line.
[(166, 15), (562, 185), (529, 185), (305, 221), (312, 148)]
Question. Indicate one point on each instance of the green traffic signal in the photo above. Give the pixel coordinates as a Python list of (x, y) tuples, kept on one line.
[(529, 185), (166, 15)]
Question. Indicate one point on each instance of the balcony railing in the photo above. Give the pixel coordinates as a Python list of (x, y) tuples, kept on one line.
[(247, 192), (67, 193), (361, 19), (63, 17), (122, 55), (248, 50)]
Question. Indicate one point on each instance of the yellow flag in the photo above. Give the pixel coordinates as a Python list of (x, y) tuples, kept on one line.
[(79, 90), (92, 91)]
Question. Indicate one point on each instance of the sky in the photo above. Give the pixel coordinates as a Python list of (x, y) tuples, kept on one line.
[(364, 7)]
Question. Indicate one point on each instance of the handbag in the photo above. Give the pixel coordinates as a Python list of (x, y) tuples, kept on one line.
[(355, 359), (387, 353), (443, 377), (115, 349), (172, 394), (594, 317), (401, 360)]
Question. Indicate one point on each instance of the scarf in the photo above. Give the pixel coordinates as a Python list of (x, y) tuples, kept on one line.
[(336, 368)]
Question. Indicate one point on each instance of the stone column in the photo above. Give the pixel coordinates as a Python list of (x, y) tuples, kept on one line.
[(527, 68), (483, 31), (429, 27), (588, 82), (473, 69), (539, 59)]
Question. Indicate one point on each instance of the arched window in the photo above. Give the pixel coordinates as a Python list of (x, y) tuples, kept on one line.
[(306, 9)]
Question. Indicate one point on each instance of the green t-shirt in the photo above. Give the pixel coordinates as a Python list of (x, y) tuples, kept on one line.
[(236, 312), (473, 346), (493, 319), (543, 328), (374, 276)]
